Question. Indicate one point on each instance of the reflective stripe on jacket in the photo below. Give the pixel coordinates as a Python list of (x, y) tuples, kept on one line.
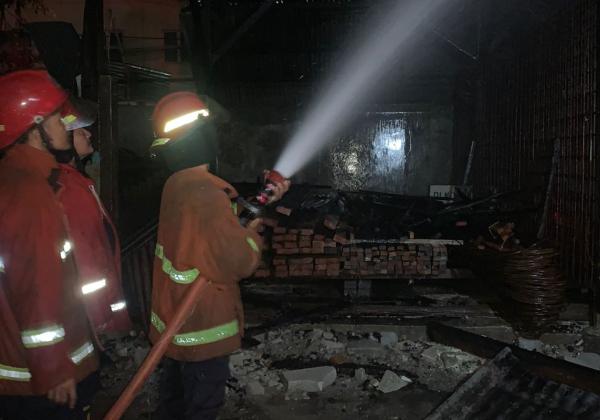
[(45, 335), (200, 236)]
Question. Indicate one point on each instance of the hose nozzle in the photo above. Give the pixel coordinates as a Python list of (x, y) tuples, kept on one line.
[(254, 208)]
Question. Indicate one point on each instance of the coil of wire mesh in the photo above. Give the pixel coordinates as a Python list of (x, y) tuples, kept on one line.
[(530, 282)]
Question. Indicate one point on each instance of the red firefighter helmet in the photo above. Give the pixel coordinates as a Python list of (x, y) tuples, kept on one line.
[(27, 97), (175, 114)]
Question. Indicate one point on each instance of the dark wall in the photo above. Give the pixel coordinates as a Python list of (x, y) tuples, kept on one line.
[(539, 91), (401, 153)]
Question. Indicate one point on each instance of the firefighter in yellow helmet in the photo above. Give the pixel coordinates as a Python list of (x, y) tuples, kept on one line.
[(199, 234)]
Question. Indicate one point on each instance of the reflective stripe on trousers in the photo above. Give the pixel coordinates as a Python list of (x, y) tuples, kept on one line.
[(195, 338)]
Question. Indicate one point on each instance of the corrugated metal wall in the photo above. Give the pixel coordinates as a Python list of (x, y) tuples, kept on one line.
[(547, 93)]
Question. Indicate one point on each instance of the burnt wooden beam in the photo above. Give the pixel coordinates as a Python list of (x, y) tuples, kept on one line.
[(538, 364)]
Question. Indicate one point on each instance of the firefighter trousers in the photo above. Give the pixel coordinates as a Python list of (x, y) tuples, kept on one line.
[(193, 390)]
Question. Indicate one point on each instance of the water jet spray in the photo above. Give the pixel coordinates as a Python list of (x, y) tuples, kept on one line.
[(358, 77)]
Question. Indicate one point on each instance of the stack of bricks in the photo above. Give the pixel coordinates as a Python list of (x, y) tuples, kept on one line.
[(398, 260), (394, 260), (304, 253), (301, 242), (307, 266), (301, 253)]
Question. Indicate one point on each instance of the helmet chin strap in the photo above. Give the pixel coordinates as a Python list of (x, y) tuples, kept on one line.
[(61, 156)]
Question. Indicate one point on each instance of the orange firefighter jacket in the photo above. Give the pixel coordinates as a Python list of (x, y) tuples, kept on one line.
[(45, 334), (199, 234)]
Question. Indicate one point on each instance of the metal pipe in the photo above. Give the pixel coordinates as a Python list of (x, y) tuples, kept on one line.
[(158, 350)]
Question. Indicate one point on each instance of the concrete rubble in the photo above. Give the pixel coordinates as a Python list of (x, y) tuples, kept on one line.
[(140, 354), (590, 360), (388, 338), (123, 356), (385, 362), (364, 346), (391, 382), (360, 375), (572, 341), (531, 345), (331, 364), (349, 367), (311, 379), (254, 388)]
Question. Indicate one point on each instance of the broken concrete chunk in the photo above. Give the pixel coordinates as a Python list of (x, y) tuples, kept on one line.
[(316, 334), (360, 375), (432, 354), (531, 345), (122, 351), (332, 345), (273, 383), (310, 380), (140, 354), (391, 382), (237, 359), (388, 338), (450, 360), (365, 347), (255, 388), (590, 360), (374, 382)]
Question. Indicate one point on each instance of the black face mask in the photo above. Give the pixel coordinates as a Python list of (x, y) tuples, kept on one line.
[(197, 147), (61, 156)]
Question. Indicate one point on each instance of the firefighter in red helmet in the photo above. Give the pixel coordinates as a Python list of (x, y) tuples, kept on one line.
[(199, 234), (48, 361), (96, 247)]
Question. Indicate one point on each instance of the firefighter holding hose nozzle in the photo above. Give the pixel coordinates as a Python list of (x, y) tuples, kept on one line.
[(200, 238)]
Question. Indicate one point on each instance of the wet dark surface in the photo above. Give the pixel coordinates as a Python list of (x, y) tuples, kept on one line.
[(403, 152)]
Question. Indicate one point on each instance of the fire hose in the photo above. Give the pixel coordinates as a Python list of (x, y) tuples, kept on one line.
[(158, 350)]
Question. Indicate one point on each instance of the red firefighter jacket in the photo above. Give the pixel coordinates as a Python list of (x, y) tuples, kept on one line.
[(96, 251), (45, 333), (199, 235)]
